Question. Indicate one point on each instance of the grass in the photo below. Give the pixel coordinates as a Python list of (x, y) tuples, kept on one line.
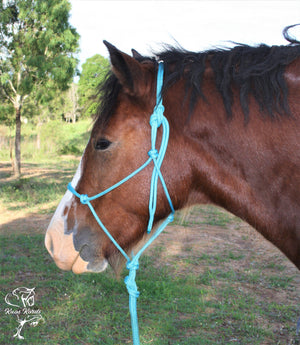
[(56, 160), (209, 215), (208, 308), (38, 193), (56, 138)]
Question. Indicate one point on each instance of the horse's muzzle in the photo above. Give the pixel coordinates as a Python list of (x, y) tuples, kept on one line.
[(61, 248)]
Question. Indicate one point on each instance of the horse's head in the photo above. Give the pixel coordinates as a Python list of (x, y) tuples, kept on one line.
[(119, 144)]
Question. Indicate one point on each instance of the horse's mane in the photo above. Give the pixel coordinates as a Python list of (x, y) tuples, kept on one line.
[(253, 70), (256, 71)]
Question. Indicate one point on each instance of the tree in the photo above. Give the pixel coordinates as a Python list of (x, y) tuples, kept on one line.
[(37, 46), (93, 72), (7, 118), (70, 103)]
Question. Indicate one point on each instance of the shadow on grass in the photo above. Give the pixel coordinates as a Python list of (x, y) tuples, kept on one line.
[(39, 186), (33, 223)]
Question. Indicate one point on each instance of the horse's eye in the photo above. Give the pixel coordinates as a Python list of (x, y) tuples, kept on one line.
[(102, 144)]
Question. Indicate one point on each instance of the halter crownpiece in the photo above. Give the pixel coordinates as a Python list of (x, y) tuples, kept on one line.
[(157, 119)]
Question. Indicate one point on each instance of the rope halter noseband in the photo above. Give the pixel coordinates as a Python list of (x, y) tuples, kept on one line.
[(157, 119)]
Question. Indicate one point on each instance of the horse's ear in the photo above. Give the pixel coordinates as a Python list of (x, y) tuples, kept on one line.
[(128, 70), (136, 54)]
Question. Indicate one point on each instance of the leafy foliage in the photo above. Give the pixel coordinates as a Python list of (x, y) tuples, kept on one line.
[(6, 113), (94, 71), (36, 41), (37, 46)]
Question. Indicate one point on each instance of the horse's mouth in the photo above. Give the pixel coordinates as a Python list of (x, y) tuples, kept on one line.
[(67, 258), (81, 266)]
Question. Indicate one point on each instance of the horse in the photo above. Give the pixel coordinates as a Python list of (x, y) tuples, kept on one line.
[(234, 117)]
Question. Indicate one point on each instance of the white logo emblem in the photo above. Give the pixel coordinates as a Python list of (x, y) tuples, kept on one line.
[(21, 304)]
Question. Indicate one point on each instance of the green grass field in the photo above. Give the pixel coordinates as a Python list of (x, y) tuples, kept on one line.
[(56, 138), (209, 279), (218, 306)]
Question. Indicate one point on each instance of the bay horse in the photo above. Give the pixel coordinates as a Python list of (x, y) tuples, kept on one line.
[(234, 117)]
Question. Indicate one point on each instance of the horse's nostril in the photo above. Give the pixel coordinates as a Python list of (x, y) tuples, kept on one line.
[(49, 244)]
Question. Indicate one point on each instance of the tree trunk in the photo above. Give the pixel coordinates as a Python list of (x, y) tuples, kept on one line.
[(11, 149), (17, 163)]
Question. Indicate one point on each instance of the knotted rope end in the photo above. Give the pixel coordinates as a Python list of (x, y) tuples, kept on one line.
[(156, 118), (131, 286)]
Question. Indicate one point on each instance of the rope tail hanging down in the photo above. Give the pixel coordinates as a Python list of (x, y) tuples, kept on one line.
[(157, 119)]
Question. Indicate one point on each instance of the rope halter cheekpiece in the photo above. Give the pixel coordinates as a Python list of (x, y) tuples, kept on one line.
[(157, 119)]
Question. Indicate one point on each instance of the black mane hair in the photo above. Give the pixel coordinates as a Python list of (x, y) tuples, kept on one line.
[(257, 71), (253, 70), (107, 93)]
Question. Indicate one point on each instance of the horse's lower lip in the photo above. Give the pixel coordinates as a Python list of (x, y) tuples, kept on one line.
[(98, 267), (81, 266)]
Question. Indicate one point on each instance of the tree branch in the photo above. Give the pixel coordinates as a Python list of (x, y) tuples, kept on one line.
[(7, 95), (12, 87)]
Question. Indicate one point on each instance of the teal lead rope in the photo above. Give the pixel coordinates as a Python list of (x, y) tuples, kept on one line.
[(157, 119)]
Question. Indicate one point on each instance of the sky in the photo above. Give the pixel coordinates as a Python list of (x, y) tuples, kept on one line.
[(196, 25)]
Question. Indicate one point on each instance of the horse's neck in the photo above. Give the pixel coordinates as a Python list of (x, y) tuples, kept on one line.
[(224, 161), (235, 168)]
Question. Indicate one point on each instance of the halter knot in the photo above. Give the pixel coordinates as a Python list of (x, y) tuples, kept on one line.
[(157, 117), (131, 286), (132, 265), (153, 153), (170, 217), (84, 199)]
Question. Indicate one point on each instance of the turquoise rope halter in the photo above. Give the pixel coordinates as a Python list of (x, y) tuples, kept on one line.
[(157, 119)]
